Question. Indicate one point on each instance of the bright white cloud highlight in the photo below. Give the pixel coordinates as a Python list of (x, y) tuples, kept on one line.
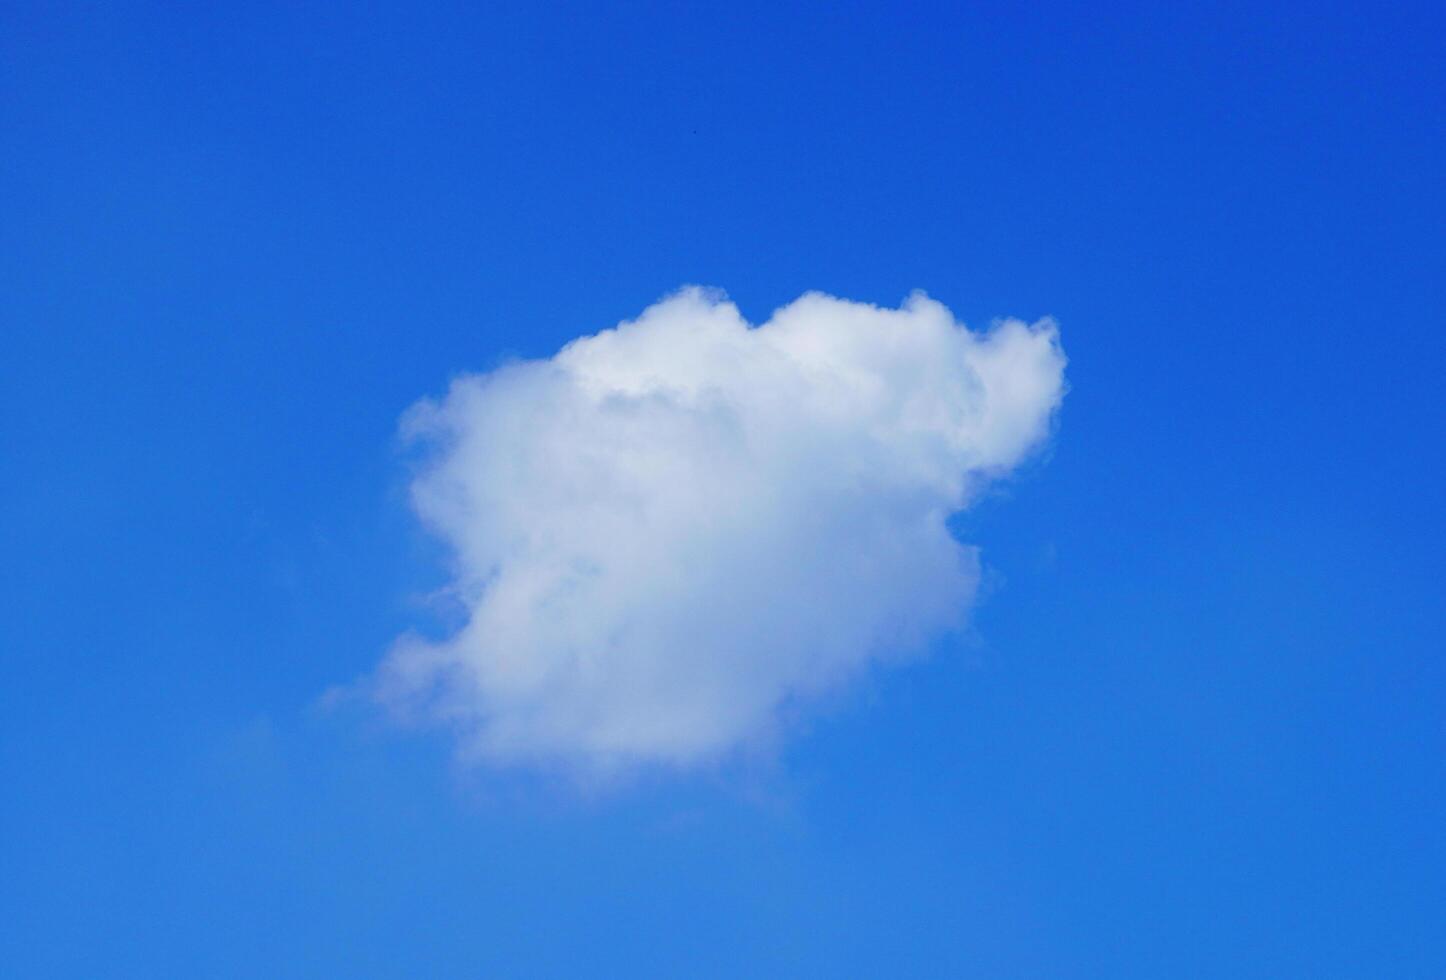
[(672, 533)]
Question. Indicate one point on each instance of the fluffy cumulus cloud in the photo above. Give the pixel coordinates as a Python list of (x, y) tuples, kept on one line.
[(672, 534)]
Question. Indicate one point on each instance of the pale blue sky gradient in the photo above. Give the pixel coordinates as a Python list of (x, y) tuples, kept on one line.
[(1198, 730)]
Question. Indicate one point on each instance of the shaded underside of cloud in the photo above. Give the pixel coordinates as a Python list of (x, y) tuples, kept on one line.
[(675, 533)]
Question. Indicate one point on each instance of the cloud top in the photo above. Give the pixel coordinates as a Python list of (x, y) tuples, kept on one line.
[(674, 532)]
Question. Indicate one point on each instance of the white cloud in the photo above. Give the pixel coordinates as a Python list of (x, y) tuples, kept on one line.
[(673, 532)]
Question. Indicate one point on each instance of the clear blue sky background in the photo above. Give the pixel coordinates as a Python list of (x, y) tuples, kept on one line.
[(1200, 731)]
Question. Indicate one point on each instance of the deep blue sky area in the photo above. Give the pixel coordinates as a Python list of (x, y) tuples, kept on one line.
[(1198, 726)]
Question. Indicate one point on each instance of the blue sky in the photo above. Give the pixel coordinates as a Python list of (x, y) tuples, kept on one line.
[(1196, 727)]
